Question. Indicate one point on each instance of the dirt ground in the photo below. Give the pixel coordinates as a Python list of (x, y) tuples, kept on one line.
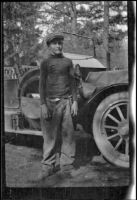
[(23, 155)]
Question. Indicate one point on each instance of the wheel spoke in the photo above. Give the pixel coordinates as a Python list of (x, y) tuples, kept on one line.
[(128, 111), (120, 113), (113, 118), (127, 147), (119, 143), (112, 136), (111, 127)]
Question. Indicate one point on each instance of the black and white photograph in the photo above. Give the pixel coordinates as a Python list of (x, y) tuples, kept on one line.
[(68, 129)]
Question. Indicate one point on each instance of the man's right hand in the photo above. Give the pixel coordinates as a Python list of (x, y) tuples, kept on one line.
[(45, 112)]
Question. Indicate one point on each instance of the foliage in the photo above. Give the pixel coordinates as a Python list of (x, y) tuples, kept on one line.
[(87, 19), (24, 23), (20, 32)]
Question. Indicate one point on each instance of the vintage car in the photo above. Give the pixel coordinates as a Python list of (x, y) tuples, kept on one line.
[(103, 101)]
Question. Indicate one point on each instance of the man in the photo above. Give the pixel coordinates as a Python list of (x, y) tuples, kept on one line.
[(58, 104)]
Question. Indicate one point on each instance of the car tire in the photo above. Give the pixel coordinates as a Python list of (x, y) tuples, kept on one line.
[(111, 128)]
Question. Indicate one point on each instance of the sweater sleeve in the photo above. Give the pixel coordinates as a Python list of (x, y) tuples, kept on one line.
[(42, 82), (73, 83)]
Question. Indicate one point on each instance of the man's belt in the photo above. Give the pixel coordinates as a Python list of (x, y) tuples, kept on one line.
[(58, 99), (54, 100)]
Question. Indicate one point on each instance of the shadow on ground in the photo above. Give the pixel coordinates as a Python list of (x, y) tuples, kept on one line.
[(23, 155), (85, 147)]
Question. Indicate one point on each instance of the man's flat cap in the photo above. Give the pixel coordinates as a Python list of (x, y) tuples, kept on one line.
[(53, 36)]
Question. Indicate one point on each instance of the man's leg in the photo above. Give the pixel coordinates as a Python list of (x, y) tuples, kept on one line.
[(68, 141), (52, 135), (51, 132)]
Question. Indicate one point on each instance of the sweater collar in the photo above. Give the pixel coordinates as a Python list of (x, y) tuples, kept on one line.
[(56, 55)]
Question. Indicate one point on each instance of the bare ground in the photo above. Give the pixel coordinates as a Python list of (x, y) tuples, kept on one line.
[(22, 162)]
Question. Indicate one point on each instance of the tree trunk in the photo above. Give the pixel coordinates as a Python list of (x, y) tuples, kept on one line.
[(106, 33), (94, 49), (73, 23)]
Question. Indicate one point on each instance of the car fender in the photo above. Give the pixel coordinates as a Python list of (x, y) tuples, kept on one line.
[(101, 93), (87, 111)]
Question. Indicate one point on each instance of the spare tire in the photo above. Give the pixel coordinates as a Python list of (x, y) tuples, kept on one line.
[(30, 98)]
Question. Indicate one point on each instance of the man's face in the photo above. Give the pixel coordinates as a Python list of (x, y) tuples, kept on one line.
[(56, 46)]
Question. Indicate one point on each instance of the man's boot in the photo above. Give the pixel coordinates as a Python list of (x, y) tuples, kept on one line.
[(47, 170)]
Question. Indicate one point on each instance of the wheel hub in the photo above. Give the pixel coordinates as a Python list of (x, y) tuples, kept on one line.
[(124, 129)]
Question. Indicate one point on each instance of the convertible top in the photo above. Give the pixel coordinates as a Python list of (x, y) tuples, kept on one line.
[(85, 61)]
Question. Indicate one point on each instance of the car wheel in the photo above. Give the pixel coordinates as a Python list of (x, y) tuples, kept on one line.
[(111, 128)]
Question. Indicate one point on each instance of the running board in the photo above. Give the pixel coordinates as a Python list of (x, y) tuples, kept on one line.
[(77, 134)]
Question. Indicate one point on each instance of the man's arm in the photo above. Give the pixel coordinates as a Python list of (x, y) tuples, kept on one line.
[(74, 108), (42, 82), (42, 90), (73, 83)]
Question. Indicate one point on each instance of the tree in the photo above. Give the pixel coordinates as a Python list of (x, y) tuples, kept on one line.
[(20, 32), (63, 16), (85, 18), (106, 33), (73, 14), (88, 19)]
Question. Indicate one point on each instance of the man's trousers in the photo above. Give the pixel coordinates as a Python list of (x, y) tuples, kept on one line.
[(58, 134)]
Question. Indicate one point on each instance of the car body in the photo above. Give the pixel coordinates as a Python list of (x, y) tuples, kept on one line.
[(103, 102)]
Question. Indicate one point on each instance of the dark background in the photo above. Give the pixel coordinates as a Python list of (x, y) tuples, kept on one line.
[(114, 193)]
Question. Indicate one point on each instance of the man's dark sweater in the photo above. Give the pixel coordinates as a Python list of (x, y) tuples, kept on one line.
[(56, 78)]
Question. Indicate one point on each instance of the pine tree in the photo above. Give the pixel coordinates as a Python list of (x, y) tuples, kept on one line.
[(20, 32)]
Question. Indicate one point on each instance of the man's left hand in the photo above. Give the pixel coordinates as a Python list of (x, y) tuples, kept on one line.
[(74, 108)]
